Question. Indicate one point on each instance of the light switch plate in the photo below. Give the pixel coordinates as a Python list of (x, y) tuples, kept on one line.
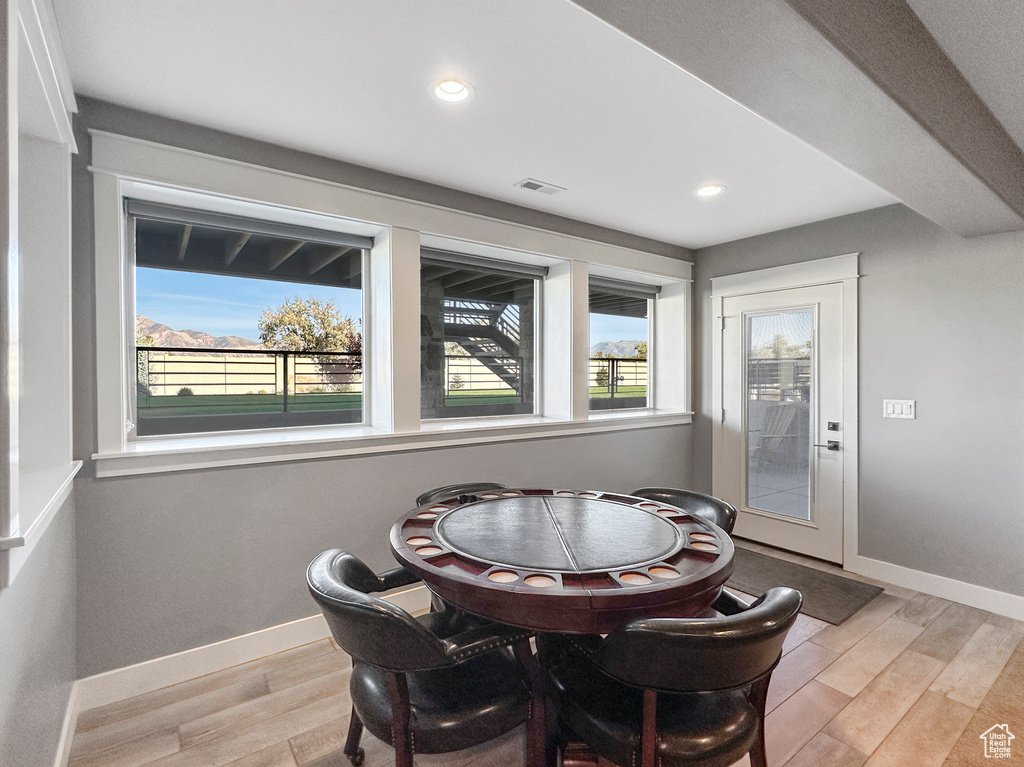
[(899, 408)]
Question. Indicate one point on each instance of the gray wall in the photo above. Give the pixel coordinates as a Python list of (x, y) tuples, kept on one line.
[(173, 561), (941, 322), (37, 647)]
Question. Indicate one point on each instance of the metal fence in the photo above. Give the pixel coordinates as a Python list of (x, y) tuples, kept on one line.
[(779, 379), (465, 375), (173, 372), (613, 377)]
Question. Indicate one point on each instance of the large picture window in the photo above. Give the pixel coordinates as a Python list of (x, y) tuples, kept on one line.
[(242, 323), (477, 335), (278, 318)]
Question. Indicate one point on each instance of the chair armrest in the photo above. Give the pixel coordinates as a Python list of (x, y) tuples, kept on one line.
[(392, 579), (483, 639), (730, 604)]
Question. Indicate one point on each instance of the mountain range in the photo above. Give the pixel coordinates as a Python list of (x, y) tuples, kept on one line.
[(192, 339), (615, 348)]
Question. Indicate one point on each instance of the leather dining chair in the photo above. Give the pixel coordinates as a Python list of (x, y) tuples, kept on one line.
[(435, 683), (445, 492), (672, 691), (721, 513)]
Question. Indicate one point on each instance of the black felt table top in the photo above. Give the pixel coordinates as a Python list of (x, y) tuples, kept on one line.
[(567, 534)]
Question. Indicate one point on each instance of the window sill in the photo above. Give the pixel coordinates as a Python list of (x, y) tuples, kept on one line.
[(208, 451), (624, 413)]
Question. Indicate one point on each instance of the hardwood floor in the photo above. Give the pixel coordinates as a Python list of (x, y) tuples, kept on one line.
[(897, 684)]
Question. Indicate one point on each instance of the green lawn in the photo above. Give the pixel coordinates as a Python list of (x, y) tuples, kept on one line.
[(211, 404), (216, 404), (602, 392), (480, 397)]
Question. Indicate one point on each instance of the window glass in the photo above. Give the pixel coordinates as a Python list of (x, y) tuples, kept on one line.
[(243, 329), (779, 361), (477, 339), (617, 375)]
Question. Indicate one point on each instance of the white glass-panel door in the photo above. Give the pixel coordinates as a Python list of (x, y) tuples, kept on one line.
[(778, 457)]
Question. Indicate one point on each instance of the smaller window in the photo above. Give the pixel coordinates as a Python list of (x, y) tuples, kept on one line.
[(242, 323), (477, 342), (618, 371)]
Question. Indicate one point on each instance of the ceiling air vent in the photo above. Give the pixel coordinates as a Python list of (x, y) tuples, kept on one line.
[(539, 186)]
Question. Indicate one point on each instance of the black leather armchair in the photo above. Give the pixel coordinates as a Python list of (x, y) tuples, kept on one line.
[(672, 691), (435, 683), (715, 510), (445, 492)]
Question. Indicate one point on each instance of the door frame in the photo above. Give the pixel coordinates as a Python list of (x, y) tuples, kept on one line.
[(836, 269)]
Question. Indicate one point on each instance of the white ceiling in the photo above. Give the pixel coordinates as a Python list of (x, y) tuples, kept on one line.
[(560, 96)]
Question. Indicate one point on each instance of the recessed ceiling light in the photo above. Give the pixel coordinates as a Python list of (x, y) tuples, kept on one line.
[(710, 190), (451, 89)]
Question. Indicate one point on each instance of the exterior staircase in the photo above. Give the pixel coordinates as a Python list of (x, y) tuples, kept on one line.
[(489, 332)]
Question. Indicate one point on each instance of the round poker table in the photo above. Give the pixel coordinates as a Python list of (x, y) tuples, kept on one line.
[(565, 560)]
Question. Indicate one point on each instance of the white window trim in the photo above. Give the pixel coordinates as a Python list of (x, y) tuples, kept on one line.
[(123, 166)]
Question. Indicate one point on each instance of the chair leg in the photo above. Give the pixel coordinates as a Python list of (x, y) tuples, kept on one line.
[(649, 736), (759, 698), (398, 692), (355, 732)]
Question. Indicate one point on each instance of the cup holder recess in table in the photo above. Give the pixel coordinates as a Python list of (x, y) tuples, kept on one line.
[(664, 572), (539, 581), (703, 546)]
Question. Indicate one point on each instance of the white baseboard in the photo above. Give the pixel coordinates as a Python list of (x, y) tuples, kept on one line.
[(121, 683), (982, 597), (129, 681), (67, 731)]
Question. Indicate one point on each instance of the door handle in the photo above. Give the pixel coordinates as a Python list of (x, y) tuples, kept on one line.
[(830, 445)]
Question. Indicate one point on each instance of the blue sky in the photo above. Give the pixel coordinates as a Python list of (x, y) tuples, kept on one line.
[(608, 327), (224, 306)]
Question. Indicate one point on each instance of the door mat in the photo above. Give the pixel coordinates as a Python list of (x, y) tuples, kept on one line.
[(828, 597)]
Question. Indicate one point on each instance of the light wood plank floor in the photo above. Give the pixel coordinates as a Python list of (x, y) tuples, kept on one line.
[(896, 685)]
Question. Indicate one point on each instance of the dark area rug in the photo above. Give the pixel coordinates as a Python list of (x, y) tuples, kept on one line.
[(828, 597)]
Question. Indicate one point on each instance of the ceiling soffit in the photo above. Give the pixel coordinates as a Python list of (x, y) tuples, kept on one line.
[(890, 44), (898, 113)]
